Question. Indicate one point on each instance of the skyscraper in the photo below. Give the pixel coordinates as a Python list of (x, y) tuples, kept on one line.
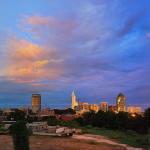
[(36, 103), (74, 102), (121, 102)]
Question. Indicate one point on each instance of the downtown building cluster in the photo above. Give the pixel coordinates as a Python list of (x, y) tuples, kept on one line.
[(77, 108), (82, 107)]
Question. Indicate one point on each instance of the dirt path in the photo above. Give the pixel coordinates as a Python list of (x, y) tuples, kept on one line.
[(102, 139)]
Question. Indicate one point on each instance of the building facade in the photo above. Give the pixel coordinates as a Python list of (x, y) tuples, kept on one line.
[(36, 103), (94, 107), (112, 108), (74, 102), (104, 106), (121, 102), (134, 109)]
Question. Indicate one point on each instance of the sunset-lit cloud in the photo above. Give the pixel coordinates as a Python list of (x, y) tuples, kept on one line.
[(23, 49), (28, 61)]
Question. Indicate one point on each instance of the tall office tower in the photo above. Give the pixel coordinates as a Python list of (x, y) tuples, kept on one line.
[(104, 106), (121, 102), (36, 103), (74, 102)]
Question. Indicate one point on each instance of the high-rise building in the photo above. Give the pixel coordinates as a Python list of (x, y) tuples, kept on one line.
[(36, 103), (74, 102), (104, 106), (121, 102), (134, 109)]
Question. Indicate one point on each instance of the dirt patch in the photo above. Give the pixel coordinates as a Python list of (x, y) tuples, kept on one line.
[(102, 139), (58, 143)]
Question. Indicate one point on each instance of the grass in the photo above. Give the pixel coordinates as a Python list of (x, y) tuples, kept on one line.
[(130, 138), (108, 145), (2, 129)]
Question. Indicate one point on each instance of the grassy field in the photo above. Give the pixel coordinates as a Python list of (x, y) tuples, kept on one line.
[(130, 137)]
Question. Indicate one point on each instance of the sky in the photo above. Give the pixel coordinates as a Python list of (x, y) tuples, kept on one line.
[(98, 48)]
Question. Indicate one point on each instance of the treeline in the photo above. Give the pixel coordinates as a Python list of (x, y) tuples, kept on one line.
[(122, 120), (64, 111)]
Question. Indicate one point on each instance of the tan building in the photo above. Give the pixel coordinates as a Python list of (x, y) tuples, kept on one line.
[(94, 107), (104, 106), (134, 109), (74, 102), (121, 102), (84, 106), (36, 103)]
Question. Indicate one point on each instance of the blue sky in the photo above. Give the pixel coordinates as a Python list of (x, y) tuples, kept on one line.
[(97, 48)]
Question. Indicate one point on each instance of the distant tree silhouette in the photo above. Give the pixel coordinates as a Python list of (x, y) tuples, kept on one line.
[(140, 125), (122, 120), (147, 116), (53, 121), (99, 119), (88, 118), (16, 115), (111, 121), (64, 111)]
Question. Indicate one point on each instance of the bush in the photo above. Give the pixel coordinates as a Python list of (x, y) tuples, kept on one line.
[(73, 123), (53, 121), (110, 120)]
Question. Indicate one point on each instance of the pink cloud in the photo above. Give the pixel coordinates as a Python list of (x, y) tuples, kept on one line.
[(27, 61), (39, 26)]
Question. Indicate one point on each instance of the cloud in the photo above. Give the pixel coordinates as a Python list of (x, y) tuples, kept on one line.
[(129, 24), (29, 61), (38, 20), (47, 26), (23, 49)]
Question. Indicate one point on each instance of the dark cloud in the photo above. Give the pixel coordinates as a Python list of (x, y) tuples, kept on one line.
[(129, 25)]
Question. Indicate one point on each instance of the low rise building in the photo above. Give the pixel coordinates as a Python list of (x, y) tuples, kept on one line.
[(112, 108), (94, 107), (46, 112), (104, 106), (134, 109)]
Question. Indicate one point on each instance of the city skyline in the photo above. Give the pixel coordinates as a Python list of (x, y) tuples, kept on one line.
[(54, 47), (36, 104)]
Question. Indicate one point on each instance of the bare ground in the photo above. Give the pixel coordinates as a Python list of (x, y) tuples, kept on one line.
[(59, 143), (102, 139)]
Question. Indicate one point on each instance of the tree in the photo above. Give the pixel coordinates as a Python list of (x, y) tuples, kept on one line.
[(147, 116), (140, 125), (64, 111), (16, 115), (52, 121), (122, 120), (99, 119), (111, 121), (88, 118), (20, 135)]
